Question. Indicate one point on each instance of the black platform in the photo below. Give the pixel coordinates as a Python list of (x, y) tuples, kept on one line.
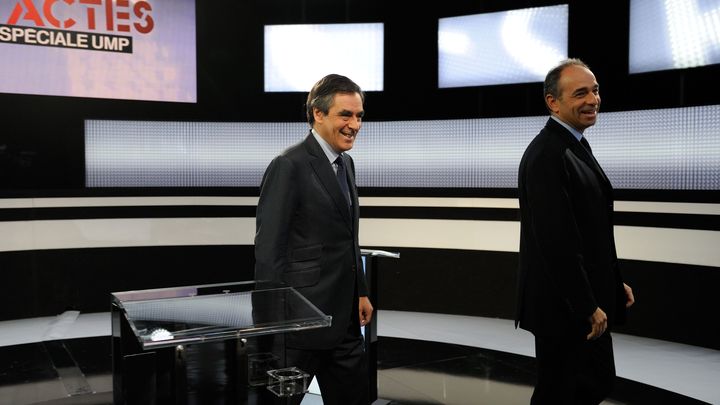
[(410, 372)]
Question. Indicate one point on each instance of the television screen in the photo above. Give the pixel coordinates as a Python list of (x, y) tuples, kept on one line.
[(516, 46), (673, 34), (289, 68), (118, 49)]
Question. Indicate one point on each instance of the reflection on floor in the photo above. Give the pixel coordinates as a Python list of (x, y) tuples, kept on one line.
[(420, 372), (687, 370), (409, 372), (422, 359)]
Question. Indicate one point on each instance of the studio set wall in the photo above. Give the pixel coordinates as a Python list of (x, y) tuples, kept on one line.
[(101, 195)]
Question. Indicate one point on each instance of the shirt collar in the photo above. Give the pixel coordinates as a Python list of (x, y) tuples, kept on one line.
[(577, 134), (329, 151)]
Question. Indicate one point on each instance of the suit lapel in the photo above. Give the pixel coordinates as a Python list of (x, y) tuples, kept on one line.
[(579, 150), (353, 189), (595, 165), (327, 176)]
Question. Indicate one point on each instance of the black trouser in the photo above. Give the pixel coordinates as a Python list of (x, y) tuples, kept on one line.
[(573, 371), (341, 372)]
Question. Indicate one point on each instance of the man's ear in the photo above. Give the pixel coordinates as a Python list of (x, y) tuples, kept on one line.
[(318, 115), (551, 103)]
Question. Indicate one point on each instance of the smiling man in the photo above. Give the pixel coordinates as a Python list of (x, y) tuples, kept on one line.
[(570, 291), (307, 238)]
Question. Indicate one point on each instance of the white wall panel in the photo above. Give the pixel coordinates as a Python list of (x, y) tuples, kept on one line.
[(125, 232), (685, 246)]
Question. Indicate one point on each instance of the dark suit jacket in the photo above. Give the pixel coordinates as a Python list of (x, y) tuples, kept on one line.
[(568, 263), (306, 238)]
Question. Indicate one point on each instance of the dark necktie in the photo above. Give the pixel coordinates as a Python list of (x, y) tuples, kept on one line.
[(585, 143), (342, 178)]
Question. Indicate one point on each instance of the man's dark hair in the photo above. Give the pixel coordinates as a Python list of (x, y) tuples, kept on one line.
[(553, 77), (322, 94)]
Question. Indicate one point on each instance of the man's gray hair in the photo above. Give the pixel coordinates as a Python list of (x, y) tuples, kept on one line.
[(553, 76)]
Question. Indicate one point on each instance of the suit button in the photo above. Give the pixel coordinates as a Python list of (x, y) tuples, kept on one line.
[(353, 268)]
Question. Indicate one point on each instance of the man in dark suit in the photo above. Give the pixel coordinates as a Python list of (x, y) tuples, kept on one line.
[(570, 291), (307, 238)]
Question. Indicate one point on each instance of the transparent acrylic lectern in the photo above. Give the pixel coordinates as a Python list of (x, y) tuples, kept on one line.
[(220, 343)]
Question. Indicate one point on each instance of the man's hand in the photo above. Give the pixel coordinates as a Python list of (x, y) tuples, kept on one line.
[(629, 295), (598, 321), (366, 311)]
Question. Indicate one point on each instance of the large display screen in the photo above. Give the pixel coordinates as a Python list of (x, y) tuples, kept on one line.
[(118, 49), (664, 149), (673, 34), (357, 49), (516, 46)]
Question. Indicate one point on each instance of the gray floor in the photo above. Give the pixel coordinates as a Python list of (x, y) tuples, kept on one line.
[(691, 371), (687, 370)]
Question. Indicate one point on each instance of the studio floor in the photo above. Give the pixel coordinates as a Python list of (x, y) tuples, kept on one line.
[(422, 359)]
